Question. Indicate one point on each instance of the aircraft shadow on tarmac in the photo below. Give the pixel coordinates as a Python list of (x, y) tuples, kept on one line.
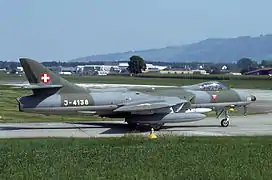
[(117, 128), (114, 128)]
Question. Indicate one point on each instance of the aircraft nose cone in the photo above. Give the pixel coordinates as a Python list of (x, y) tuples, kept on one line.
[(245, 96), (253, 98)]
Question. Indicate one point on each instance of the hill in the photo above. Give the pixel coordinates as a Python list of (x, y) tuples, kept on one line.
[(209, 50)]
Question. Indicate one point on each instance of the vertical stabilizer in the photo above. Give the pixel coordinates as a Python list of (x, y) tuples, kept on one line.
[(40, 76)]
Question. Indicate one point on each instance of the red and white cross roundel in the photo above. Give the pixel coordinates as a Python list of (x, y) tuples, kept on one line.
[(213, 98), (45, 78)]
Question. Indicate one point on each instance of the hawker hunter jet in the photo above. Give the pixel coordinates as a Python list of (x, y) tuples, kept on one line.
[(53, 94), (205, 97)]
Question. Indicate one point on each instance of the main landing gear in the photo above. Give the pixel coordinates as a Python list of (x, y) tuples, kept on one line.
[(225, 120), (139, 126), (156, 127)]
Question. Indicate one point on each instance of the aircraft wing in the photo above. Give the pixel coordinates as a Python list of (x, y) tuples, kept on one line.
[(152, 106)]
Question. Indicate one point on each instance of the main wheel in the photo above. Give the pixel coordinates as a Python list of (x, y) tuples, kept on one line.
[(133, 126), (225, 123), (156, 127)]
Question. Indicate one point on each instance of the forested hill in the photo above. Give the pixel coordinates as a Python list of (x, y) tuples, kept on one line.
[(209, 50)]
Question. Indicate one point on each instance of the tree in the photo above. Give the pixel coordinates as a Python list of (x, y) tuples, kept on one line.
[(214, 70), (136, 64), (13, 71), (246, 64), (266, 63)]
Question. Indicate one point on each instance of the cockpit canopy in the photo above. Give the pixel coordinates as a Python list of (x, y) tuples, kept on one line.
[(210, 86)]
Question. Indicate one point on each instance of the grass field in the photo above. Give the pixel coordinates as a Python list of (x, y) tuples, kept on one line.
[(130, 157), (172, 81), (206, 76), (137, 158), (247, 84)]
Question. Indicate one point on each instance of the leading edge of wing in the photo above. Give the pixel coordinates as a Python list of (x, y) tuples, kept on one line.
[(150, 104)]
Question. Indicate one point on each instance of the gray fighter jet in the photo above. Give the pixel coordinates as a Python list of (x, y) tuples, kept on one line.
[(147, 107)]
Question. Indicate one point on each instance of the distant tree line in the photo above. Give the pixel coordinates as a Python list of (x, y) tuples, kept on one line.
[(247, 64), (137, 64)]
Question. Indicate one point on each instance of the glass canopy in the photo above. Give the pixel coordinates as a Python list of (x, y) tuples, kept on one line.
[(210, 86)]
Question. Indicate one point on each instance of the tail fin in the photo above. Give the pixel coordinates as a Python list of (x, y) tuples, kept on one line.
[(41, 79)]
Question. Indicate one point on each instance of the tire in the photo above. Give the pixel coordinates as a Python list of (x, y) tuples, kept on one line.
[(224, 123), (156, 127), (136, 126), (132, 126)]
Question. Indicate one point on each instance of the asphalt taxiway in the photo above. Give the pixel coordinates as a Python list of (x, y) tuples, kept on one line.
[(252, 125)]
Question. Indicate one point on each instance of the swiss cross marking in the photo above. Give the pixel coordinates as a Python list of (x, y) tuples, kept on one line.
[(45, 78)]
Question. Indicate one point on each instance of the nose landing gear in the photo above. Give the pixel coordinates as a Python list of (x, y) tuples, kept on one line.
[(224, 121)]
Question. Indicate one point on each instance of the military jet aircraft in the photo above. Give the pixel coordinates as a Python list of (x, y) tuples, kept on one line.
[(205, 97), (53, 94)]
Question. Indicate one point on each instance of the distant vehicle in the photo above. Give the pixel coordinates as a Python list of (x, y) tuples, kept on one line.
[(147, 107), (65, 73)]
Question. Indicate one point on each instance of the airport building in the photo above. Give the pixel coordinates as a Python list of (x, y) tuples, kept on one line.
[(263, 71), (98, 69), (106, 69), (183, 71)]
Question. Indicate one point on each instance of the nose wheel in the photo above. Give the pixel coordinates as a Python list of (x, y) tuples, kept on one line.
[(224, 121)]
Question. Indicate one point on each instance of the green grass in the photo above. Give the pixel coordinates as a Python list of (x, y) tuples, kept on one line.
[(246, 84), (137, 158), (254, 83), (207, 76)]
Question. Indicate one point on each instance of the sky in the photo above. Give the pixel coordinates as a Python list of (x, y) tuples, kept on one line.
[(61, 30)]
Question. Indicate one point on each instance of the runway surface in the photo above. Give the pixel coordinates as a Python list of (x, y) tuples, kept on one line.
[(249, 126)]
